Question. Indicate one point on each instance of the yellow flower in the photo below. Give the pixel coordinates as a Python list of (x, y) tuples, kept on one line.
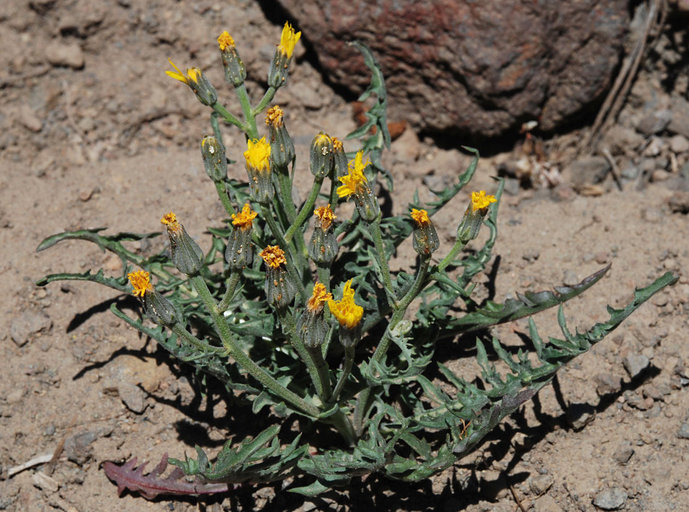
[(420, 217), (274, 116), (337, 144), (355, 181), (347, 312), (170, 221), (225, 41), (325, 215), (273, 256), (245, 218), (192, 74), (319, 298), (141, 282), (258, 155), (288, 40), (480, 200)]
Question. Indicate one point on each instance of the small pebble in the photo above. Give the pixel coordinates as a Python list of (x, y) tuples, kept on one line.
[(29, 119), (655, 122), (623, 453), (60, 54), (132, 396), (679, 144), (570, 278), (27, 324), (610, 499), (607, 384), (683, 432), (652, 215), (580, 415), (660, 175), (635, 364), (540, 484), (679, 202)]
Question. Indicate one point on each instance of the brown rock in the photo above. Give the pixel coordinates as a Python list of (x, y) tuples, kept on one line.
[(471, 67), (60, 54)]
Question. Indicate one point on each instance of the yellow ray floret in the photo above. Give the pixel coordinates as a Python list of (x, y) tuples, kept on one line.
[(192, 74), (244, 219), (480, 200), (258, 154), (347, 312), (225, 41), (273, 256), (274, 116), (288, 40), (170, 221), (141, 282), (319, 298), (325, 215), (355, 181), (420, 217)]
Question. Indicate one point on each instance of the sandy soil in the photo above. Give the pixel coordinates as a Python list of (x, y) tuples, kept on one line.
[(94, 134)]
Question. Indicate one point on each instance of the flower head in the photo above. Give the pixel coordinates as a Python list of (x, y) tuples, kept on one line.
[(337, 144), (288, 40), (355, 181), (319, 298), (141, 282), (274, 116), (325, 216), (258, 155), (192, 74), (225, 41), (273, 256), (170, 221), (420, 217), (244, 219), (347, 312), (479, 200)]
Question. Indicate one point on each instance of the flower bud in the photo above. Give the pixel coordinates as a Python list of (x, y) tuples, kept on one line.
[(339, 158), (321, 155), (184, 252), (281, 144), (349, 315), (197, 82), (277, 75), (159, 309), (235, 72), (214, 159), (312, 326), (239, 252), (323, 246), (258, 167), (473, 216), (425, 238), (279, 288), (355, 184)]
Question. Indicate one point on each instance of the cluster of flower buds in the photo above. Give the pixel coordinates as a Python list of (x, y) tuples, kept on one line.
[(257, 158), (277, 75), (239, 252), (312, 326), (473, 216), (348, 314), (281, 145), (279, 288), (235, 72), (323, 246), (157, 307), (355, 184), (184, 252), (197, 82), (424, 237), (322, 155), (214, 159)]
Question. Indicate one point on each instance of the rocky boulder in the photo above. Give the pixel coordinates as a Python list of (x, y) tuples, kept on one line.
[(472, 67)]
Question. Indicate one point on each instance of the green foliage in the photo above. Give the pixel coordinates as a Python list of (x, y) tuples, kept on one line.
[(385, 401)]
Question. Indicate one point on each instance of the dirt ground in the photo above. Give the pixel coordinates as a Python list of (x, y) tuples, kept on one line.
[(93, 134)]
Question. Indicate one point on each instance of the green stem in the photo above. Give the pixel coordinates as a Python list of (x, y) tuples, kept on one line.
[(244, 360), (249, 118), (307, 209), (228, 117), (323, 372), (383, 261), (221, 188), (459, 245), (229, 292), (204, 347), (346, 370), (267, 98), (285, 187), (333, 192), (285, 246), (324, 276)]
